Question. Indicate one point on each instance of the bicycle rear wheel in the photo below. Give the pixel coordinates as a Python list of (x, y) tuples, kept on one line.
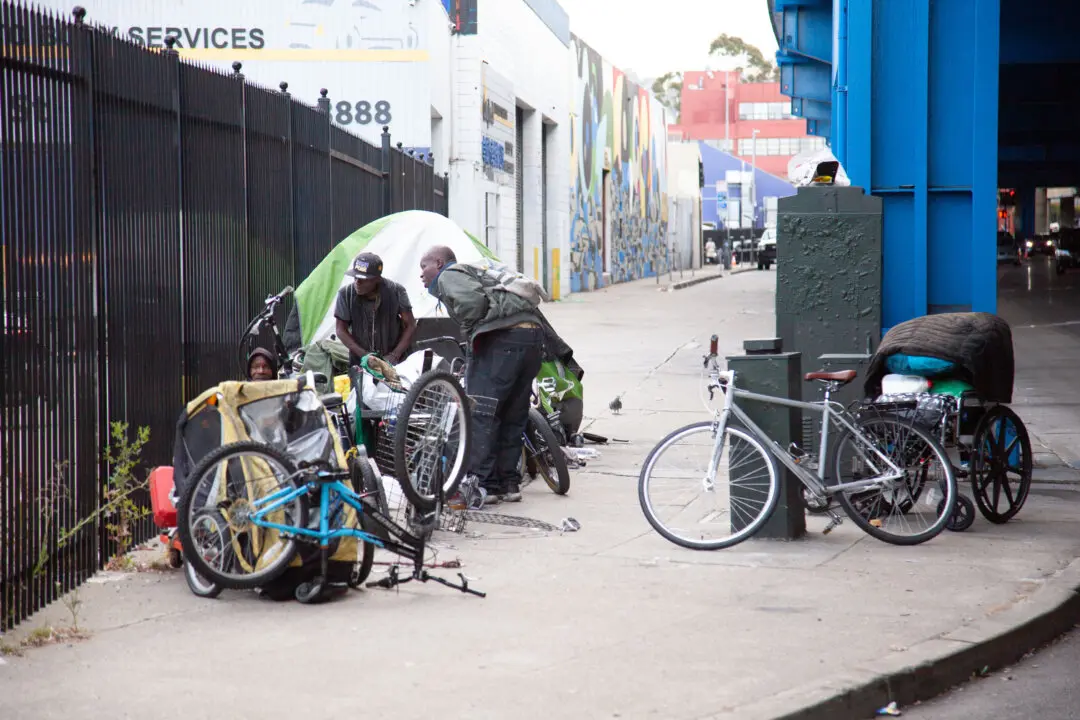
[(431, 439), (544, 455), (910, 510), (214, 517), (731, 508)]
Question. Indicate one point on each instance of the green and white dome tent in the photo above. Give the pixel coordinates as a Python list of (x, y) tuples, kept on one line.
[(400, 240)]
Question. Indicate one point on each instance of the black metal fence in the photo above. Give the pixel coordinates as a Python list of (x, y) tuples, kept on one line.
[(147, 207)]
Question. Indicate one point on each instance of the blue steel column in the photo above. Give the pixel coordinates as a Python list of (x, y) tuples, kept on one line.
[(924, 137), (984, 131)]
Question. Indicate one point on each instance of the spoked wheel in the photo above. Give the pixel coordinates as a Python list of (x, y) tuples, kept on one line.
[(1001, 465), (431, 440), (365, 482), (228, 491), (687, 507), (963, 516), (544, 455), (907, 511)]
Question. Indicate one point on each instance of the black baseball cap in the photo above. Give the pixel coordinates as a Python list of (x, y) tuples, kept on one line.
[(366, 266)]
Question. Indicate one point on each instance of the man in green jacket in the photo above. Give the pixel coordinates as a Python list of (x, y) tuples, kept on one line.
[(506, 340)]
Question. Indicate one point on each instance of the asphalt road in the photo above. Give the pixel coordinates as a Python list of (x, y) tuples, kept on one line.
[(1042, 686), (1033, 294)]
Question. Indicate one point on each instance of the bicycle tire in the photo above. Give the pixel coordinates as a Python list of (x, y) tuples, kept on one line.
[(750, 529), (198, 585), (558, 477), (945, 509), (369, 483), (273, 569), (989, 506), (456, 474)]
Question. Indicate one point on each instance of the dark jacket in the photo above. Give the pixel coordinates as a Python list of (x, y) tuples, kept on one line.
[(477, 307)]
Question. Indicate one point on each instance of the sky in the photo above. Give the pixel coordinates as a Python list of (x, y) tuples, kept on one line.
[(651, 37)]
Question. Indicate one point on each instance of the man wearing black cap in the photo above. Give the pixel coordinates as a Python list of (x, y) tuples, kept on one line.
[(373, 314)]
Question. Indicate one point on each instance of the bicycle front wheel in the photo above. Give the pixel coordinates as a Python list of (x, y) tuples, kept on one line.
[(217, 513), (431, 439), (689, 508), (911, 509)]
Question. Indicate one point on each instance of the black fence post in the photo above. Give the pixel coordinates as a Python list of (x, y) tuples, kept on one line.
[(388, 192), (290, 147), (323, 105), (238, 75), (178, 139)]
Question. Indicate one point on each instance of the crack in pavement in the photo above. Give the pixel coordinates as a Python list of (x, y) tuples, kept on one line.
[(655, 369)]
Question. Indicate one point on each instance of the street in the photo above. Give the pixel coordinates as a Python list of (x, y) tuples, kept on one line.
[(608, 621), (1042, 686)]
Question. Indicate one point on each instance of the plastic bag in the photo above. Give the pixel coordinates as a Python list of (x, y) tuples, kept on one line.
[(803, 168)]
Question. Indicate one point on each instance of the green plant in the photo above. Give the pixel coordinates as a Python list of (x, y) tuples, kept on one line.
[(123, 457), (55, 491), (10, 650), (73, 603)]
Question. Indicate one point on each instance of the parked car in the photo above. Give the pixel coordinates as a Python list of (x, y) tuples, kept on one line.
[(766, 249), (1007, 249), (1067, 253)]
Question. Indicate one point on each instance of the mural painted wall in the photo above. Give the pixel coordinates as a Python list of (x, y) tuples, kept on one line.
[(618, 130)]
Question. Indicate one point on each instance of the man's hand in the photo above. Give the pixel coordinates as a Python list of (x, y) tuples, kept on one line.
[(393, 357)]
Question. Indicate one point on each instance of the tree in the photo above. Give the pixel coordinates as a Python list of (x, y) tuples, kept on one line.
[(756, 67), (668, 90)]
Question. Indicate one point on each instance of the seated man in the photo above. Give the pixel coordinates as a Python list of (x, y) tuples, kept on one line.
[(374, 314), (262, 365), (507, 342)]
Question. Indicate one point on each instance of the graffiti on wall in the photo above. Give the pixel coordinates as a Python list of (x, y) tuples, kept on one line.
[(618, 188)]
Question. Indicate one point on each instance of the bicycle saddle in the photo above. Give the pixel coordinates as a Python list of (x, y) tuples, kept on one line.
[(843, 376)]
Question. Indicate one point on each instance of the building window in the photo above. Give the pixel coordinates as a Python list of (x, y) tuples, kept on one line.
[(765, 111), (778, 147)]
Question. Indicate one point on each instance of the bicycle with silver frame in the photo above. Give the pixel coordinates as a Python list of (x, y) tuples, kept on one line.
[(893, 479)]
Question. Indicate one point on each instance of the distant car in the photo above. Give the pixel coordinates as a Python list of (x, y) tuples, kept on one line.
[(767, 249), (1067, 252), (1007, 249), (1041, 245)]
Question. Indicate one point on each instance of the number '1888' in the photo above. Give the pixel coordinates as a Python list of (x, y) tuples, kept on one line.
[(362, 113)]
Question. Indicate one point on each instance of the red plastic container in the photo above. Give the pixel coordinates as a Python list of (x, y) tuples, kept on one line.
[(161, 484)]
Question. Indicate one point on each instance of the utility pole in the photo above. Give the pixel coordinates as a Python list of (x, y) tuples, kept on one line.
[(753, 179)]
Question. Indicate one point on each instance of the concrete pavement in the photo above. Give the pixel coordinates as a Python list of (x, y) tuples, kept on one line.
[(611, 621)]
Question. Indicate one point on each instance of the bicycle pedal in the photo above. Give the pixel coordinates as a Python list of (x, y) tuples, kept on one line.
[(833, 524)]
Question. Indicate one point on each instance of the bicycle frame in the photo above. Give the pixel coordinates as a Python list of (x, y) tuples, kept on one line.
[(412, 549), (832, 414)]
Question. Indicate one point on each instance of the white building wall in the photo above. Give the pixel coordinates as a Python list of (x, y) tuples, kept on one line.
[(441, 82), (521, 48)]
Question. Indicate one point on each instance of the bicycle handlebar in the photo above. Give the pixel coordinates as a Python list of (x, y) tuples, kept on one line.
[(442, 338)]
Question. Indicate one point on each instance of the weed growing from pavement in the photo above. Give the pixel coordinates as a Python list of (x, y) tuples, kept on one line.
[(73, 603)]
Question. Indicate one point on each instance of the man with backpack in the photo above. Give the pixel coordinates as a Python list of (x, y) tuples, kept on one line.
[(504, 331)]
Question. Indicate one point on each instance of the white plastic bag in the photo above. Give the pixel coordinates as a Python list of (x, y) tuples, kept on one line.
[(893, 384), (377, 395), (802, 169)]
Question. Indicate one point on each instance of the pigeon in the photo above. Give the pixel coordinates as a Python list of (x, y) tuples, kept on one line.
[(615, 405)]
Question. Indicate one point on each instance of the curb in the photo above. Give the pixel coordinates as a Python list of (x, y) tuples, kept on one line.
[(683, 284), (932, 666)]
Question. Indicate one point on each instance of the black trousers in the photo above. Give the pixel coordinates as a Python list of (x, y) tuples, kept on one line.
[(503, 366)]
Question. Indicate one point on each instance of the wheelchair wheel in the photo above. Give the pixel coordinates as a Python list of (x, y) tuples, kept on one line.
[(963, 515), (1001, 463), (431, 439), (216, 515)]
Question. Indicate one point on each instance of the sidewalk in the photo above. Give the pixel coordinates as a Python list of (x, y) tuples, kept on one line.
[(611, 621)]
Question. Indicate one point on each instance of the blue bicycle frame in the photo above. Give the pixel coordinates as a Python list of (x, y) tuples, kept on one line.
[(324, 534)]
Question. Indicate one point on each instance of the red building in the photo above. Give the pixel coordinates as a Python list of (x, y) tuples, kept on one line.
[(750, 107)]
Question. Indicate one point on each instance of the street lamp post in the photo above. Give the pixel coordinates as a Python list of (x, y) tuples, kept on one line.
[(753, 179)]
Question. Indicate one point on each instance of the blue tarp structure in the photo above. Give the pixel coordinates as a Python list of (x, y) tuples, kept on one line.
[(717, 163)]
